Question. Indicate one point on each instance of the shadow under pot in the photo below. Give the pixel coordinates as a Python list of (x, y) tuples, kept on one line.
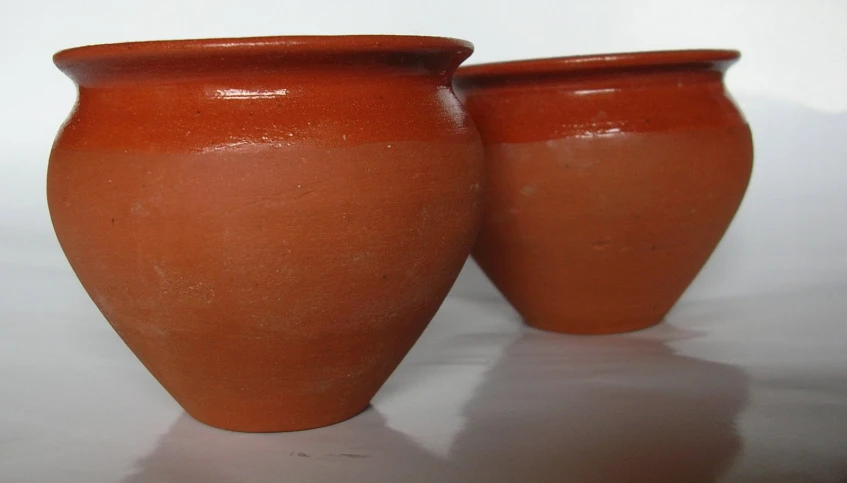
[(610, 179), (268, 223)]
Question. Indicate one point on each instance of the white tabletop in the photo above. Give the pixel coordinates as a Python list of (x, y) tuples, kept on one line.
[(741, 389)]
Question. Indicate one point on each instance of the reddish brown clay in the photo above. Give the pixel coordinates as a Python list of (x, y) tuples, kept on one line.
[(611, 179), (268, 223)]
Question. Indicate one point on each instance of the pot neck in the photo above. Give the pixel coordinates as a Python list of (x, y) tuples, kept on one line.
[(593, 80)]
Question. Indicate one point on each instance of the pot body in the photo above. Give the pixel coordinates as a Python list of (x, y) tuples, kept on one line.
[(269, 229), (611, 180)]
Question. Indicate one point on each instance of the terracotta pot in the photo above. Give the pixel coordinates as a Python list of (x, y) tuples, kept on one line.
[(268, 223), (611, 179)]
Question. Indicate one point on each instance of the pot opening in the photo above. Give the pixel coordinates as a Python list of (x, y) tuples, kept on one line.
[(587, 65), (184, 59)]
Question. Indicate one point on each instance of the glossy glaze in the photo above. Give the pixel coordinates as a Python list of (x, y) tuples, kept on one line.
[(611, 179), (268, 223)]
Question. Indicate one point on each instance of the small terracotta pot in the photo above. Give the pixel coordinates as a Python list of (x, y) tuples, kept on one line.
[(611, 179), (268, 223)]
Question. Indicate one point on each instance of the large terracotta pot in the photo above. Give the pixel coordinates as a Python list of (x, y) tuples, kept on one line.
[(611, 179), (268, 223)]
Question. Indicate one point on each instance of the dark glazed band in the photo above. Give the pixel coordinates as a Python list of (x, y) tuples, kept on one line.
[(609, 94)]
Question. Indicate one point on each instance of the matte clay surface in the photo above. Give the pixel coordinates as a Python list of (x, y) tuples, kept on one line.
[(269, 224), (611, 179)]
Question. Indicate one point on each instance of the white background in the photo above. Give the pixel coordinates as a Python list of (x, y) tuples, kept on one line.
[(747, 379)]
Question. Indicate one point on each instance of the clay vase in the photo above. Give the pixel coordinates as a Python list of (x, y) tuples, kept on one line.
[(610, 180), (268, 223)]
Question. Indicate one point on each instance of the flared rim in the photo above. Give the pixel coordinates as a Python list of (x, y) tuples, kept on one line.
[(615, 61), (300, 44)]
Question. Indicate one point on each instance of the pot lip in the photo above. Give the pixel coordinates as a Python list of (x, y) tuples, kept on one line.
[(597, 62), (293, 44)]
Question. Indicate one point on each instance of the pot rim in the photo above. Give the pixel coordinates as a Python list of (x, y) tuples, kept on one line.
[(600, 62), (294, 44)]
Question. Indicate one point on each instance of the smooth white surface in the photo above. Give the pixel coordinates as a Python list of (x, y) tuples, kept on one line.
[(739, 389), (790, 84), (747, 381)]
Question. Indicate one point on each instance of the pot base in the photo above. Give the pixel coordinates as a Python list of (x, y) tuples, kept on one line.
[(580, 327), (271, 423)]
